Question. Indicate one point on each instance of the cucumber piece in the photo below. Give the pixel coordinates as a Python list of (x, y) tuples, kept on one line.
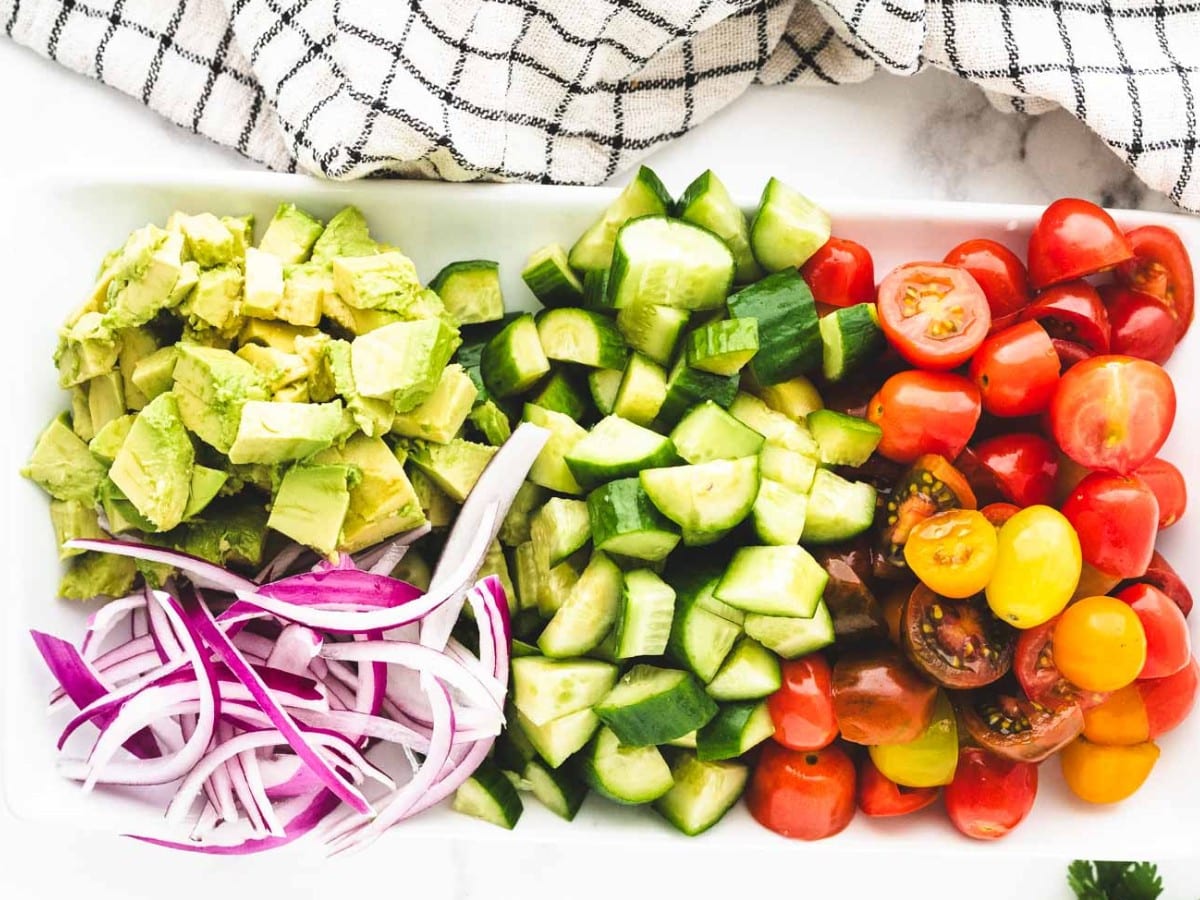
[(647, 608), (773, 581), (588, 612), (520, 648), (491, 422), (642, 391), (515, 528), (513, 361), (470, 290), (559, 739), (513, 750), (490, 796), (583, 337), (687, 742), (560, 528), (700, 638), (606, 649), (702, 793), (554, 585), (526, 575), (550, 468), (735, 729), (750, 672), (707, 497), (852, 339), (643, 196), (779, 513), (787, 467), (723, 347), (788, 227), (792, 638), (837, 509), (789, 332), (595, 290), (665, 262), (556, 790), (651, 705), (708, 432), (688, 387), (652, 331), (777, 428), (706, 202), (624, 521), (616, 448), (546, 689), (795, 398), (844, 440), (560, 394), (629, 775), (548, 275), (604, 384)]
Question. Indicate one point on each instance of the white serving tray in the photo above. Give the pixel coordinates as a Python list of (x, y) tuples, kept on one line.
[(53, 235)]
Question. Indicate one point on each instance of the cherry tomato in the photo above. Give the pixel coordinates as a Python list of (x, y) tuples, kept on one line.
[(935, 315), (1142, 325), (1099, 644), (1113, 412), (1160, 266), (1093, 582), (1074, 238), (1120, 721), (998, 271), (1013, 726), (999, 513), (927, 761), (841, 273), (957, 643), (1070, 352), (990, 796), (1072, 312), (1037, 567), (1168, 641), (1100, 774), (983, 481), (1025, 467), (924, 412), (1169, 489), (879, 796), (1033, 664), (1160, 574), (953, 552), (1116, 518), (893, 611), (802, 708), (806, 795), (1016, 371), (930, 486), (880, 699), (1169, 700)]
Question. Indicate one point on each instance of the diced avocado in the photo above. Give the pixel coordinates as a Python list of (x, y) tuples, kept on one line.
[(203, 336), (340, 312), (216, 301), (264, 284), (492, 422), (136, 345), (335, 377), (97, 575), (364, 321), (345, 235), (153, 468), (212, 386), (206, 484), (81, 415), (304, 290), (280, 335), (297, 392), (278, 367), (108, 440), (62, 466), (311, 505), (231, 531), (441, 415), (271, 432), (209, 242), (145, 277), (403, 360), (382, 281), (242, 229), (189, 277), (155, 374), (73, 519), (514, 529), (455, 466), (121, 514), (290, 234), (436, 504), (106, 399), (87, 349)]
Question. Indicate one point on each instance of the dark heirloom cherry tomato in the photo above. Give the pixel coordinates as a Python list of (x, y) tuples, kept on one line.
[(930, 486), (924, 412), (857, 615), (840, 273), (1169, 489), (1169, 700), (1070, 353), (1160, 266), (802, 708), (1160, 574), (1168, 641), (990, 796), (1141, 324), (983, 481), (957, 643), (1025, 466), (999, 513), (999, 272), (880, 699), (1116, 518), (1113, 412), (1074, 238), (1040, 679), (1016, 371), (802, 795), (893, 612), (879, 796), (936, 315), (1015, 727), (1072, 312)]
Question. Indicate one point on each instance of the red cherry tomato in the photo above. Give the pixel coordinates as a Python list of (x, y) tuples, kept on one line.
[(999, 513), (1142, 325), (841, 273), (935, 315), (1169, 488), (1016, 371), (924, 412), (879, 796), (1025, 466), (1116, 518), (1160, 266), (1113, 412), (1000, 274), (1072, 312), (1070, 353), (1169, 700), (1168, 642), (990, 796), (802, 708), (1074, 238), (802, 795), (1033, 664)]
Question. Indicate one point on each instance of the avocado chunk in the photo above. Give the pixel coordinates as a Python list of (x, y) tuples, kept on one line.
[(311, 505), (381, 281), (305, 287), (136, 345), (153, 468), (97, 575), (273, 432), (335, 377), (242, 229), (212, 386), (122, 516), (290, 234), (81, 415), (435, 503), (87, 349), (232, 532), (280, 335), (207, 239), (278, 367), (454, 466), (206, 484), (492, 422), (216, 302), (62, 466), (345, 235), (442, 414), (144, 277), (264, 284), (403, 361), (106, 399), (74, 519), (155, 374), (108, 440), (189, 277)]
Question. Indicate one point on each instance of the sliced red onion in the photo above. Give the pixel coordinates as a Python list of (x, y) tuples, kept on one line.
[(282, 562), (202, 572), (103, 621), (165, 642), (294, 649)]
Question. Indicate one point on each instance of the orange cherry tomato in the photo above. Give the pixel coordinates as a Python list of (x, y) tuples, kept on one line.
[(924, 412), (1106, 774), (1099, 644)]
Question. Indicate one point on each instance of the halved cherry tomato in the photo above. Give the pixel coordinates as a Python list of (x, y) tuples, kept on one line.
[(1160, 266), (990, 796), (893, 611), (1100, 774), (879, 698), (1142, 324), (1013, 726), (805, 795), (1169, 489), (1116, 518), (1072, 312), (879, 796), (953, 552), (802, 708), (957, 643), (840, 273), (927, 761), (1169, 700), (983, 481), (1119, 721), (1113, 412), (936, 315), (999, 513), (1099, 644), (1033, 664), (1168, 641), (1016, 371), (1037, 567), (930, 486), (1025, 466), (1070, 353), (924, 412), (1161, 574), (999, 272), (1074, 238)]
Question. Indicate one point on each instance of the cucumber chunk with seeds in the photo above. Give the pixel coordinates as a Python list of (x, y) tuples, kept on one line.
[(651, 330), (470, 290), (561, 394), (560, 528), (583, 337), (588, 613), (629, 775), (779, 513), (555, 789), (795, 398), (554, 586), (708, 432), (550, 468), (706, 497), (490, 796), (706, 202), (546, 689), (838, 509), (773, 581), (702, 793), (559, 739), (844, 440), (647, 608), (642, 391), (790, 637), (789, 332), (735, 729), (750, 672), (852, 339), (665, 262), (617, 448), (513, 360), (775, 427), (624, 521), (548, 275), (652, 705), (645, 195), (723, 347), (788, 227), (604, 384), (686, 387), (791, 468)]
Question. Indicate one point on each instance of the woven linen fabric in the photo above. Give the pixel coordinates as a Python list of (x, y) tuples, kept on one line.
[(573, 91)]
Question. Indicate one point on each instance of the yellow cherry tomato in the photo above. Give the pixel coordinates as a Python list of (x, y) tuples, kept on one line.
[(928, 761), (1120, 721), (1099, 644), (1038, 562), (1100, 774), (953, 552)]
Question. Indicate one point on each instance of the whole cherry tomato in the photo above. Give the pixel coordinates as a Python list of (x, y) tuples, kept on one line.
[(806, 795), (1016, 371), (1169, 489), (1025, 466), (1160, 266), (1039, 677), (1142, 325), (1037, 567), (841, 273), (1168, 641), (924, 412), (1169, 701), (1161, 574), (880, 699), (802, 708), (1074, 238), (990, 796), (934, 314), (927, 761), (1116, 518), (879, 796), (1100, 774), (1072, 312), (1099, 644), (998, 271), (1120, 721)]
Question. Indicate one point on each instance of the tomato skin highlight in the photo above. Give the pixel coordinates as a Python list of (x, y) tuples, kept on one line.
[(990, 796), (1142, 325), (802, 708), (1099, 644), (1116, 518), (998, 271), (1016, 371), (1169, 489), (1025, 467), (880, 699), (935, 315), (1169, 701), (807, 796), (1168, 641), (840, 273), (1074, 238), (880, 797), (925, 412), (1161, 266), (1099, 774)]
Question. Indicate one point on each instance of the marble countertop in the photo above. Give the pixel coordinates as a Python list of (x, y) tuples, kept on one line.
[(930, 137)]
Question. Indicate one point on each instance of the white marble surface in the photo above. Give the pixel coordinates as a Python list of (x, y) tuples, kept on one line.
[(929, 137)]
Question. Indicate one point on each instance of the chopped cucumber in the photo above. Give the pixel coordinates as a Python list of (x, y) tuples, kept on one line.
[(787, 467), (595, 290), (651, 705), (556, 790), (520, 648), (490, 796), (844, 440), (792, 638), (687, 742), (652, 330), (773, 581), (838, 509), (588, 613), (702, 793), (777, 428), (550, 468), (788, 228), (789, 332), (546, 689), (723, 347), (779, 513), (647, 608), (735, 729), (604, 384), (688, 387), (665, 262), (852, 339), (561, 394), (706, 202), (583, 337), (515, 528), (559, 739), (548, 275), (470, 290), (642, 391), (708, 432), (616, 448), (644, 196), (560, 528), (629, 775), (708, 497), (513, 750), (795, 398), (554, 586), (700, 638), (513, 360), (750, 672), (625, 521)]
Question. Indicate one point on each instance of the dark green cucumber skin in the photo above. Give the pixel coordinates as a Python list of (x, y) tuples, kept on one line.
[(470, 353), (495, 782), (688, 387), (621, 507), (862, 340), (789, 333), (689, 583), (595, 291), (721, 738), (463, 265), (572, 791), (488, 360), (700, 711), (562, 393), (561, 291)]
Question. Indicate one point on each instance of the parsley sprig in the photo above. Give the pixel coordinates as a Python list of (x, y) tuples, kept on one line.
[(1114, 880)]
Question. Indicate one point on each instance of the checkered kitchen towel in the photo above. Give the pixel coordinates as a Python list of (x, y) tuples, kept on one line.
[(576, 90)]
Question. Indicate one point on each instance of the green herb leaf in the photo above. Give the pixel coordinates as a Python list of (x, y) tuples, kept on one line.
[(1102, 880)]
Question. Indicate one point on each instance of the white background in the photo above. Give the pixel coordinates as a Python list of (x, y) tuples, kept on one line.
[(889, 138)]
